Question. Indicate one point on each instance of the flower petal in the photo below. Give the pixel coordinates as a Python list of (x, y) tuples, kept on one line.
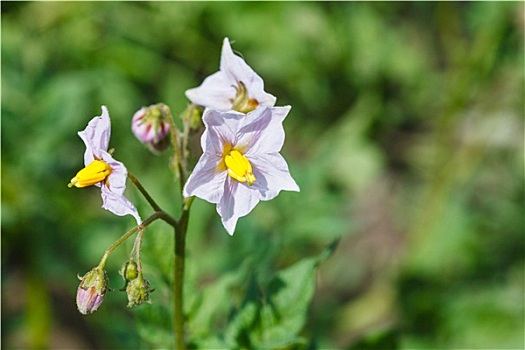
[(206, 180), (96, 136), (236, 69), (118, 204), (217, 91), (262, 130), (221, 130), (272, 174), (119, 174), (237, 201)]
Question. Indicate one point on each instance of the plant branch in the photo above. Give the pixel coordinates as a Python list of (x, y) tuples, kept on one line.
[(157, 215)]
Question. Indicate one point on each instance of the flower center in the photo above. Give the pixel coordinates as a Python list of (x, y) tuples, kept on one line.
[(242, 102), (95, 172), (239, 167)]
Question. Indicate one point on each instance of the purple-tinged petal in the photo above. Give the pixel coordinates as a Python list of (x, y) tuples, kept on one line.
[(272, 174), (116, 181), (237, 201), (221, 130), (262, 130), (207, 179), (96, 136), (118, 204)]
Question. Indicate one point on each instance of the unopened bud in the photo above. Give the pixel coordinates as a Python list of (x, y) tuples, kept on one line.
[(151, 127), (129, 271), (92, 291)]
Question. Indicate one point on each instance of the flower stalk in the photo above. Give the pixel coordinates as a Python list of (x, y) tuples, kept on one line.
[(157, 215)]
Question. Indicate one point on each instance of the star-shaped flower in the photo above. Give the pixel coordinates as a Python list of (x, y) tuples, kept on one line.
[(102, 170), (234, 87), (241, 164)]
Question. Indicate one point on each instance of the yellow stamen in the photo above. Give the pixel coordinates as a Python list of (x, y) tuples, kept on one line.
[(239, 167), (95, 172)]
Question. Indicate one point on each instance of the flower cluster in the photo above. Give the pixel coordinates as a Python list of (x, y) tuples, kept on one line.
[(240, 164)]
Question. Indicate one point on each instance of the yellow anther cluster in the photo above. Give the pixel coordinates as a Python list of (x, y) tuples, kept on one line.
[(95, 172), (239, 167)]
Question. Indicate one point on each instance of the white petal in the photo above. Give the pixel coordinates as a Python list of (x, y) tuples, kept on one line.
[(118, 204), (237, 201), (96, 135), (237, 70), (119, 174), (207, 180), (262, 130), (221, 129), (217, 91), (272, 175)]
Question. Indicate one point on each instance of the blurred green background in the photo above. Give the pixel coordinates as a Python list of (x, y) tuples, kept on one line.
[(405, 136)]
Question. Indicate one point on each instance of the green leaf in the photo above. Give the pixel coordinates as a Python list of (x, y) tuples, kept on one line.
[(275, 320), (215, 300)]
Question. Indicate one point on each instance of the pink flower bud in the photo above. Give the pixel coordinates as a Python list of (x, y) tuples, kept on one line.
[(150, 126), (92, 291)]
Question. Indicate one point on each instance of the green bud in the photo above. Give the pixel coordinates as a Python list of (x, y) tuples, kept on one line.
[(129, 271), (138, 291)]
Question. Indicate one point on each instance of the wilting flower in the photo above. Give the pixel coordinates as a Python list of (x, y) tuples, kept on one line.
[(241, 164), (234, 87), (151, 127), (102, 170), (92, 291)]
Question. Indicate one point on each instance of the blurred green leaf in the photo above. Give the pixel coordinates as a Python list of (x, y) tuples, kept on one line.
[(276, 320)]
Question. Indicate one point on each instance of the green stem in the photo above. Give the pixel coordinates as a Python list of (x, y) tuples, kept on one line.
[(178, 292), (175, 142), (135, 252), (149, 220)]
